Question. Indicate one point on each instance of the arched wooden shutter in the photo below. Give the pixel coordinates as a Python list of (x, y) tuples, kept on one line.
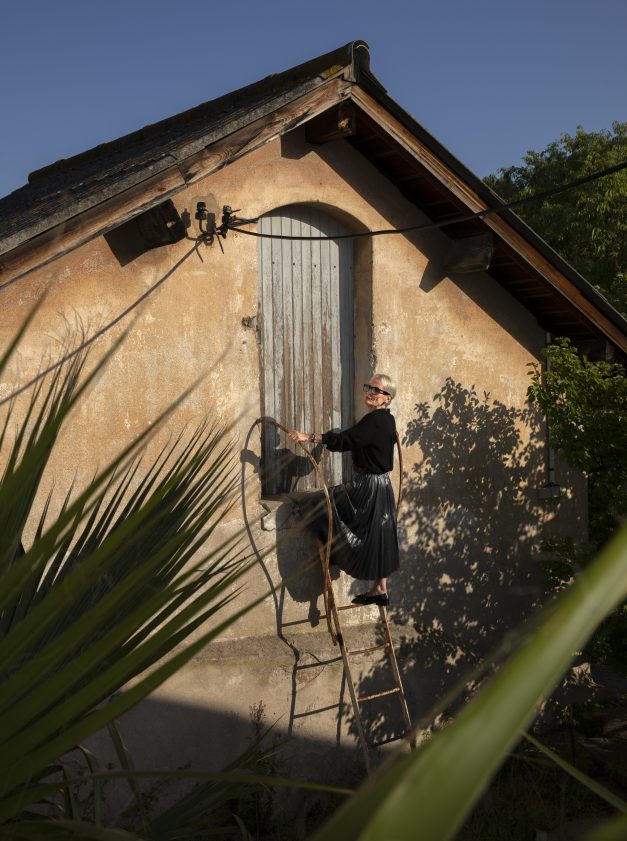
[(306, 314)]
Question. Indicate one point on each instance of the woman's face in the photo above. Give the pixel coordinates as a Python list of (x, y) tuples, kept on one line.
[(372, 399)]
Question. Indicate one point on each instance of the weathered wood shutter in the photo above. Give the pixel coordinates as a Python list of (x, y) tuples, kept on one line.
[(306, 315)]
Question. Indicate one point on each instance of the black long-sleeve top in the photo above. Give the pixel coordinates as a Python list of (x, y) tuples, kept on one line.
[(371, 441)]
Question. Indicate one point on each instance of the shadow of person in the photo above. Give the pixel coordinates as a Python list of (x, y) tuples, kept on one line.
[(469, 534)]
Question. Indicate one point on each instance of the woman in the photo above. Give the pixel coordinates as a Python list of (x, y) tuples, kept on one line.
[(364, 512)]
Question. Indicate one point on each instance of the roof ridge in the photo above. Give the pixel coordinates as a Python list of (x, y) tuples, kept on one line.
[(354, 54)]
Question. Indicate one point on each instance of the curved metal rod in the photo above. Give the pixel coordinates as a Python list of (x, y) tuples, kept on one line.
[(399, 498), (318, 469)]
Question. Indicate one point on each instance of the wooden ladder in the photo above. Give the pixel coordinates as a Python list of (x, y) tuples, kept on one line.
[(332, 614)]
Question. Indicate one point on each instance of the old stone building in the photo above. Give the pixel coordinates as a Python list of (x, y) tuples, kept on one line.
[(291, 329)]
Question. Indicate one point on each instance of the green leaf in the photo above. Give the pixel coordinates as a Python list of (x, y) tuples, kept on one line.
[(612, 830), (222, 777), (578, 775), (63, 831), (94, 766), (434, 788), (126, 762)]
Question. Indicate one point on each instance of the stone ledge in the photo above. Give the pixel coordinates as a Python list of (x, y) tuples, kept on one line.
[(275, 649)]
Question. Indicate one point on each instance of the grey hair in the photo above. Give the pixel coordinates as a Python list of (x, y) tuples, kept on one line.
[(387, 382)]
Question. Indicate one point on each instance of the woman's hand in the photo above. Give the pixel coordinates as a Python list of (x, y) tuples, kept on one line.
[(294, 435)]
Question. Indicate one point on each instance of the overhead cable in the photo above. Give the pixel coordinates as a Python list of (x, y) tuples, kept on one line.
[(235, 224)]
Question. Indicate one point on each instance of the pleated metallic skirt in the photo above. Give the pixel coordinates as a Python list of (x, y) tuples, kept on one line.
[(365, 542)]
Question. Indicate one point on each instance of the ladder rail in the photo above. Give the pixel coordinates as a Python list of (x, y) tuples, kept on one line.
[(338, 639), (394, 666)]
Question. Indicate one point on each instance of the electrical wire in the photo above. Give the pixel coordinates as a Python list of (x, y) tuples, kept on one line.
[(104, 329), (235, 226), (468, 217)]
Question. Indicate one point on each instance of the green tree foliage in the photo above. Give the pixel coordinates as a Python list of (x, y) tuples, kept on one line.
[(585, 404), (588, 225)]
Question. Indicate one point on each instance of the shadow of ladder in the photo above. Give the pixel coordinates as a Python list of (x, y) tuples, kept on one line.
[(332, 614)]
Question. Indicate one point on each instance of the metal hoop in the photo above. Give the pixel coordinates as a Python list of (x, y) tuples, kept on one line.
[(399, 498), (318, 469)]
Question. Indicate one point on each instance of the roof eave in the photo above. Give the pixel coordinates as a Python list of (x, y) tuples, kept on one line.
[(374, 88)]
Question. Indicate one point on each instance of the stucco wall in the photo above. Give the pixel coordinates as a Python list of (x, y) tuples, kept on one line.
[(459, 348)]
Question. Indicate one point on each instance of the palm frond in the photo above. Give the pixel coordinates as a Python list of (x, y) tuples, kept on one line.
[(108, 588)]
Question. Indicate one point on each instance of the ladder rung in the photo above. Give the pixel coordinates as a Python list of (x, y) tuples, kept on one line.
[(366, 650), (379, 694)]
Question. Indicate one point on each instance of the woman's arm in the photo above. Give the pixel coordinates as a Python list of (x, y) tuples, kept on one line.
[(362, 434), (311, 437)]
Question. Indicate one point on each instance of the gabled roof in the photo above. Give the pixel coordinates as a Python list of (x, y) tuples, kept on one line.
[(74, 200), (70, 186)]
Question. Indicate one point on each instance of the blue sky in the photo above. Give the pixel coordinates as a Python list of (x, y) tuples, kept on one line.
[(489, 79)]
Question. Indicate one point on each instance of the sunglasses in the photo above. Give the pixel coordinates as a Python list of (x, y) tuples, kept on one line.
[(375, 390)]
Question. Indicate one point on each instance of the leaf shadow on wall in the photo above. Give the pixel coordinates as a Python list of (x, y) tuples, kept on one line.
[(468, 530)]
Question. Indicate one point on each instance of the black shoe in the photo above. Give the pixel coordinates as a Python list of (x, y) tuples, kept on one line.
[(365, 598)]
